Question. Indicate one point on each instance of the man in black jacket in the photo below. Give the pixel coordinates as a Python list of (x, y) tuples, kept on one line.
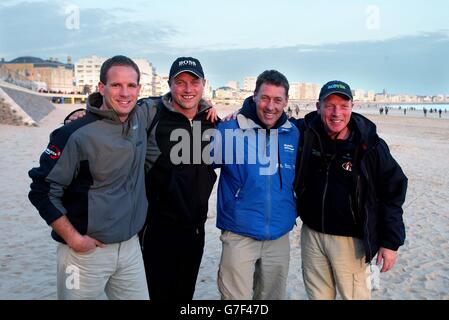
[(179, 183), (350, 193)]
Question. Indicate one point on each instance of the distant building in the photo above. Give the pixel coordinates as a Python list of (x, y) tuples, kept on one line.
[(380, 97), (311, 91), (208, 92), (87, 74), (249, 84), (161, 85), (294, 92), (226, 93), (147, 77), (56, 75), (358, 94), (370, 95), (233, 84)]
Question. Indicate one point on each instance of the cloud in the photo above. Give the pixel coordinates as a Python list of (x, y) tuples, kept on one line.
[(415, 64), (47, 29)]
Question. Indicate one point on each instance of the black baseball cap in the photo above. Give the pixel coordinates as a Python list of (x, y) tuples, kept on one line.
[(335, 87), (186, 64)]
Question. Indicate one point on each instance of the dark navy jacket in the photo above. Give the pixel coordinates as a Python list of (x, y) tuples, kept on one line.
[(379, 185)]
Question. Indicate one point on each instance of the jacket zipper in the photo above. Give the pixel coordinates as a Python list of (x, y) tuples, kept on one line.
[(143, 236), (324, 197), (269, 182), (237, 193), (365, 212), (352, 211)]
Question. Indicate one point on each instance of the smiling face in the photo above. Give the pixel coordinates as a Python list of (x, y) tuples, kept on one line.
[(186, 91), (271, 101), (335, 112), (121, 90)]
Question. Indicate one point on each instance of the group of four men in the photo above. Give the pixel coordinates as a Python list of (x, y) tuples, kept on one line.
[(331, 168)]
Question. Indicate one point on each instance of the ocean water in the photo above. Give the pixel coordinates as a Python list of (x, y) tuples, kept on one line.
[(415, 106)]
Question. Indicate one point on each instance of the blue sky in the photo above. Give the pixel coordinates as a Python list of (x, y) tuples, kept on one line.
[(401, 46)]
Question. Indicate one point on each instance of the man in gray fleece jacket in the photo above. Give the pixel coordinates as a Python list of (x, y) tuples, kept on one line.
[(90, 188)]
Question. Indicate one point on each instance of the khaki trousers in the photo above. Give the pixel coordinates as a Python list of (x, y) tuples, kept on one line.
[(331, 263), (116, 270), (253, 269)]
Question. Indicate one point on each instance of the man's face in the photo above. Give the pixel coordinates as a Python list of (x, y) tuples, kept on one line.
[(121, 90), (186, 90), (335, 113), (270, 101)]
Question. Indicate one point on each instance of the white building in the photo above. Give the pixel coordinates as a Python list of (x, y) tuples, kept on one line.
[(87, 72), (358, 95), (147, 77), (233, 84), (249, 84), (311, 91), (161, 86), (226, 93), (208, 92), (294, 92)]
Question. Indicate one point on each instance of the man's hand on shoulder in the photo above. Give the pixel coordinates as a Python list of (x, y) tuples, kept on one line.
[(211, 112), (75, 115)]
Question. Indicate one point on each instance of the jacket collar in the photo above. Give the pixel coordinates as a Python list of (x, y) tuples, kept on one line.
[(94, 102), (364, 128), (248, 119)]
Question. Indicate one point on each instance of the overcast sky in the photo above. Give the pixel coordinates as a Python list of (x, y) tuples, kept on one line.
[(401, 46)]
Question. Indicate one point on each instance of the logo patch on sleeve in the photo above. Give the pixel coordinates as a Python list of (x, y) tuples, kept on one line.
[(54, 152), (347, 166)]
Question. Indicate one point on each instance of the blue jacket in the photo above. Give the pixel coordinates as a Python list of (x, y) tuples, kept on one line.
[(256, 199)]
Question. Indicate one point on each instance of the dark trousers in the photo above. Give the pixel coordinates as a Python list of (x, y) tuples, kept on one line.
[(172, 258)]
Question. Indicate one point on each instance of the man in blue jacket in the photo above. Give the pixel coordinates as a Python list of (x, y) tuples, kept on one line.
[(256, 207), (350, 194)]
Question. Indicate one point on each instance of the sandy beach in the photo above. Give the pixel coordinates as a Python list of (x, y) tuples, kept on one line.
[(420, 145)]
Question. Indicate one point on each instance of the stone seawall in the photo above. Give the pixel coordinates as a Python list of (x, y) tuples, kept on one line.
[(21, 108)]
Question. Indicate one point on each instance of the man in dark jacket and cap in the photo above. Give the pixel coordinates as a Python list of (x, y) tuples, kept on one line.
[(350, 192)]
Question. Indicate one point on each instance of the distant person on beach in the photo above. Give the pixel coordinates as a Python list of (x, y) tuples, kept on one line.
[(425, 112), (297, 110), (381, 110), (90, 188), (386, 110), (439, 112), (255, 203), (350, 193), (405, 111)]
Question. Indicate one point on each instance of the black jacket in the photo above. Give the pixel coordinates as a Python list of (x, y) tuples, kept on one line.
[(178, 193), (379, 184)]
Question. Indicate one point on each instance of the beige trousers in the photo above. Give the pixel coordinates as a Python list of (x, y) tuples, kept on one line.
[(116, 270), (251, 269), (331, 263)]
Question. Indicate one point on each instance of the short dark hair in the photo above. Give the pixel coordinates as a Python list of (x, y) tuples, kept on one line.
[(273, 77), (117, 61)]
